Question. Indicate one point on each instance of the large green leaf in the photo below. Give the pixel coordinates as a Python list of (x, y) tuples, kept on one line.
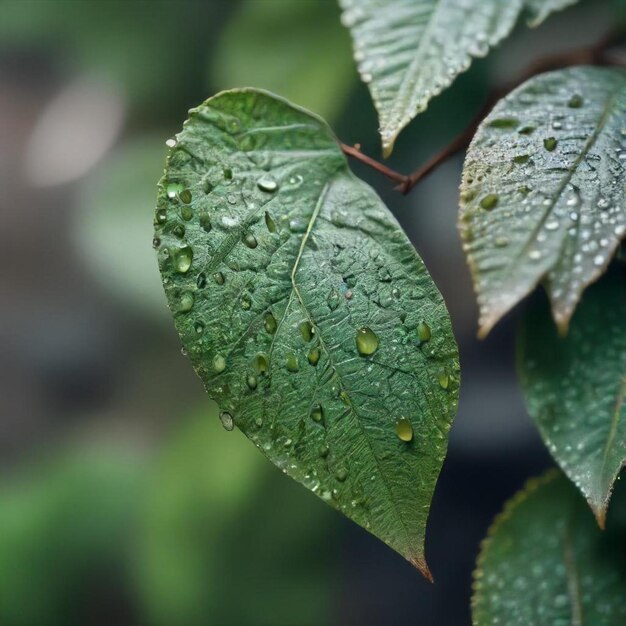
[(408, 51), (546, 563), (306, 311), (576, 387), (543, 190)]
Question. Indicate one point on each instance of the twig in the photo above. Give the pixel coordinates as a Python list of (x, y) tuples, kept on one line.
[(593, 55)]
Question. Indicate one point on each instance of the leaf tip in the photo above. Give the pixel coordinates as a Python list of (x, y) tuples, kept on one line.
[(420, 564)]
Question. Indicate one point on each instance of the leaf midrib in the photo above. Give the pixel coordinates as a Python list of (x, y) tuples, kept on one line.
[(296, 290)]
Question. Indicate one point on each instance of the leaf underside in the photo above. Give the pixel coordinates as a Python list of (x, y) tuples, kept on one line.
[(576, 387), (409, 51), (546, 562), (306, 312), (542, 196)]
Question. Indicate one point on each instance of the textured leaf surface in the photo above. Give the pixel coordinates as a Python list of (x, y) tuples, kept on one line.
[(546, 563), (543, 190), (408, 51), (306, 311), (576, 387)]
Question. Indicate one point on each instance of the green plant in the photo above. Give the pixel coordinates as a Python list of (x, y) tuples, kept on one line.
[(314, 324)]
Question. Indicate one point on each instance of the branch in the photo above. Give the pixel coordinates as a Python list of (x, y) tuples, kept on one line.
[(592, 55)]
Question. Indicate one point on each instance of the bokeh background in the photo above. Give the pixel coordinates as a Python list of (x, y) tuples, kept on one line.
[(122, 500)]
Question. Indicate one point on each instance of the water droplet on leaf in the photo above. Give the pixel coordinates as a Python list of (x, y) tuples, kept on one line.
[(366, 341), (404, 429)]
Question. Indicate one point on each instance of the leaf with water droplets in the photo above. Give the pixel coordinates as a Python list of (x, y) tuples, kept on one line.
[(316, 340), (545, 562), (409, 51), (558, 214), (576, 387)]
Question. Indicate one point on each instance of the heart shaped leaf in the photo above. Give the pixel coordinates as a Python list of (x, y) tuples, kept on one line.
[(546, 562), (408, 51), (543, 190), (576, 387), (306, 311)]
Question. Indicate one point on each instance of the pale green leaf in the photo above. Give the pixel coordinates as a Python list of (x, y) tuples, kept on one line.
[(576, 387), (297, 49), (543, 190), (197, 547), (408, 51), (546, 563), (112, 225), (306, 311)]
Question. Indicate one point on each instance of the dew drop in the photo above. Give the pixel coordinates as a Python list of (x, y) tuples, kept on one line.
[(258, 422), (201, 280), (341, 474), (178, 231), (270, 223), (298, 225), (199, 328), (218, 277), (317, 413), (205, 223), (333, 299), (267, 183), (173, 189), (219, 363), (227, 420), (182, 258), (251, 381), (550, 143), (423, 332), (186, 213), (314, 356), (270, 323), (404, 429), (307, 331), (443, 379), (186, 302), (489, 201), (250, 240), (291, 360), (156, 242), (261, 364), (366, 341), (575, 102), (161, 216)]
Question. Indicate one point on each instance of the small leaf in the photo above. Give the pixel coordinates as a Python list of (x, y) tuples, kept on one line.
[(576, 387), (409, 51), (543, 191), (298, 298), (545, 562)]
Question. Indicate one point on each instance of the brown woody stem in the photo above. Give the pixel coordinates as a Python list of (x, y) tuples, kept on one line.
[(593, 55)]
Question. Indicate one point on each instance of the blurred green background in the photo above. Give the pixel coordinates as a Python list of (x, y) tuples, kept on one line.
[(122, 500)]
